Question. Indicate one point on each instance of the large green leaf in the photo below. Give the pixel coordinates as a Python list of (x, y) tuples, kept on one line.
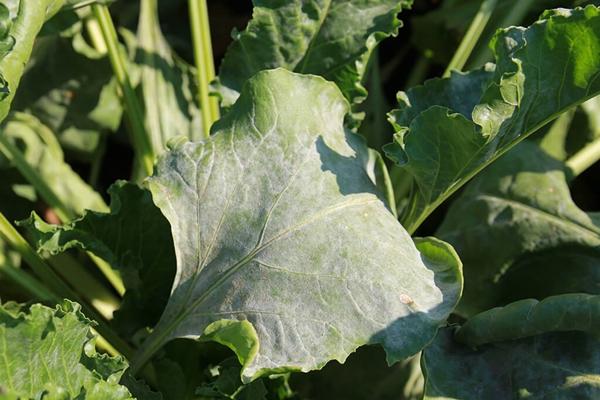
[(74, 94), (541, 71), (557, 366), (43, 155), (285, 253), (529, 317), (330, 38), (167, 84), (48, 352), (519, 233), (134, 238), (526, 350)]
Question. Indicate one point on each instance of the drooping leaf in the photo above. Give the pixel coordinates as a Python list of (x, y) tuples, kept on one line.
[(528, 349), (330, 38), (516, 224), (134, 238), (167, 84), (443, 141), (557, 366), (20, 23), (43, 154), (274, 222), (48, 352), (529, 317), (74, 94)]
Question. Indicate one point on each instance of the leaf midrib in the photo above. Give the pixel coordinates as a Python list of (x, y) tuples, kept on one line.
[(517, 204), (354, 201), (544, 214), (314, 39)]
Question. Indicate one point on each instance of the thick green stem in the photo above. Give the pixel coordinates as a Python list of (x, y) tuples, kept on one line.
[(27, 282), (90, 288), (53, 282), (141, 141), (584, 158), (471, 37), (203, 58), (95, 34)]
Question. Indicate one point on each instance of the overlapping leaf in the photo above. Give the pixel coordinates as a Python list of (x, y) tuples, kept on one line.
[(48, 353), (554, 353), (167, 84), (20, 22), (529, 317), (520, 211), (330, 38), (43, 154), (74, 94), (285, 253), (541, 71), (134, 238)]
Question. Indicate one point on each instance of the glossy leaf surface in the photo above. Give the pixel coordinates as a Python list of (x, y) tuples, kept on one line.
[(449, 129)]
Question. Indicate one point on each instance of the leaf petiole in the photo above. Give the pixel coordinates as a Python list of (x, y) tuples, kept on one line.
[(471, 37), (141, 141), (203, 58), (584, 158)]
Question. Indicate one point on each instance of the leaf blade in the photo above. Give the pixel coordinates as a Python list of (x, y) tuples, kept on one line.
[(264, 233)]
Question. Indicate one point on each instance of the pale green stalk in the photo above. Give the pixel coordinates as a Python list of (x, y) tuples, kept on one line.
[(584, 158), (90, 288), (389, 187), (27, 282), (95, 34), (471, 37), (141, 141), (203, 58)]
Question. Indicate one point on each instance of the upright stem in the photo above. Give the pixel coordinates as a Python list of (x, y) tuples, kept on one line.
[(133, 109), (90, 288), (95, 34), (471, 37), (584, 158), (389, 187), (31, 285), (203, 58)]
